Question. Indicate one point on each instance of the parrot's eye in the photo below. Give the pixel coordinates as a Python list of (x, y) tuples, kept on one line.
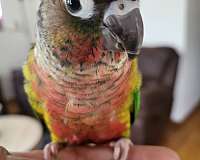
[(73, 5), (80, 8)]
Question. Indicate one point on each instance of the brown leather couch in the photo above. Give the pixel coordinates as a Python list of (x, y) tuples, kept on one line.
[(158, 66)]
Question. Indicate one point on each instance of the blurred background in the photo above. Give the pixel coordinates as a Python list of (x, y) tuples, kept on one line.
[(169, 62)]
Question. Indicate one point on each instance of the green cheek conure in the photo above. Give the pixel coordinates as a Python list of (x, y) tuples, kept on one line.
[(82, 75)]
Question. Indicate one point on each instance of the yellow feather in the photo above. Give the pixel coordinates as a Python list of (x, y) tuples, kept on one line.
[(135, 82), (34, 100)]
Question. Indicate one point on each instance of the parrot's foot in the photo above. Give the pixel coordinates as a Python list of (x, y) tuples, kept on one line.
[(51, 150), (121, 148)]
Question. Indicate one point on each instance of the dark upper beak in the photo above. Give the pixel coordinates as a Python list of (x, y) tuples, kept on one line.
[(124, 32)]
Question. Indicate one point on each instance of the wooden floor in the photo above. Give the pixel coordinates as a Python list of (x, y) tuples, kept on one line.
[(185, 138)]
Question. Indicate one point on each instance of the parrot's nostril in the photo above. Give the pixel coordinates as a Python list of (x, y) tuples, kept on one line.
[(121, 6)]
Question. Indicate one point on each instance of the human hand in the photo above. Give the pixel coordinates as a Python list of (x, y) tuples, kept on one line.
[(97, 153)]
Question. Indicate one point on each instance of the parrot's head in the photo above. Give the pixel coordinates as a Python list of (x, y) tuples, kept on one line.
[(76, 26)]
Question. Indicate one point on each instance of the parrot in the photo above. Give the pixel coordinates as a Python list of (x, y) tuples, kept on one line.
[(82, 76)]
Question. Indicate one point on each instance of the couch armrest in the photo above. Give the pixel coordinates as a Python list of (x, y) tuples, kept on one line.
[(156, 99), (154, 115)]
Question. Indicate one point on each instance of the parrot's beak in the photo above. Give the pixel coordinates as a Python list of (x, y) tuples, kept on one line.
[(124, 32)]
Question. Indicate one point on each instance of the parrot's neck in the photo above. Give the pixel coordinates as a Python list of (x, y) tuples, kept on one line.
[(78, 55), (96, 67)]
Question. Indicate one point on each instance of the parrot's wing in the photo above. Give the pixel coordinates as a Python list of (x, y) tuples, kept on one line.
[(135, 94), (136, 104), (29, 76), (137, 100)]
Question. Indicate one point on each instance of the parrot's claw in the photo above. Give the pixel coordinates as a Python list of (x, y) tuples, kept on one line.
[(121, 148), (51, 150)]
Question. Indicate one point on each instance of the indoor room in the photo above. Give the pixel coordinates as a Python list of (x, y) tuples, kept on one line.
[(61, 60)]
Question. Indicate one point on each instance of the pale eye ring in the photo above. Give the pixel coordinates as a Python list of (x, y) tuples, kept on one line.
[(83, 9), (73, 5)]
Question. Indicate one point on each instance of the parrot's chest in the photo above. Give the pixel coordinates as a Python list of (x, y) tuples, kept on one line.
[(87, 107)]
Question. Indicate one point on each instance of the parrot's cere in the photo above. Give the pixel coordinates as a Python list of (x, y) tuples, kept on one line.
[(82, 75)]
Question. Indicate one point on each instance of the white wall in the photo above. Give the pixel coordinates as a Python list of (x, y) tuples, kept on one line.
[(188, 84), (164, 22), (0, 10), (31, 9), (14, 48), (14, 42), (177, 24)]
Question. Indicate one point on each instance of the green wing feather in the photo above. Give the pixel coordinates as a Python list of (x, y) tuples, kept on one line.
[(136, 102), (135, 109)]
